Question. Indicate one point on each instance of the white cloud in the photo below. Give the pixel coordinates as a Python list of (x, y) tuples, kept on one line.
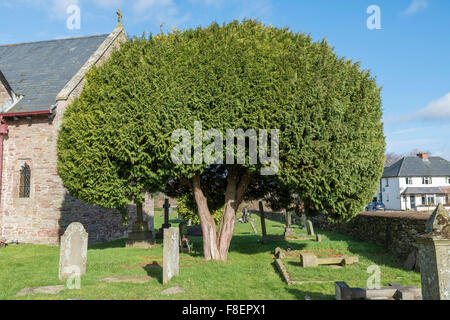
[(437, 110), (416, 6), (411, 130)]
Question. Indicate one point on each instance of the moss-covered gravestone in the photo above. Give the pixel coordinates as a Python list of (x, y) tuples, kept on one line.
[(434, 256)]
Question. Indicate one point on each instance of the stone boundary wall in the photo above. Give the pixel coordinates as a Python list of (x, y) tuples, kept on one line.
[(278, 216), (395, 231)]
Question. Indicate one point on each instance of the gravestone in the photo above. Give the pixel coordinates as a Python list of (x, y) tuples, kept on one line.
[(166, 224), (149, 212), (303, 220), (141, 236), (310, 228), (288, 231), (73, 251), (171, 254), (311, 260), (263, 223), (167, 208), (393, 291), (288, 216), (194, 231), (308, 260), (253, 227), (434, 256)]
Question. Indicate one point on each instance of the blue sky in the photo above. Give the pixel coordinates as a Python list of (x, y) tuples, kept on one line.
[(409, 55)]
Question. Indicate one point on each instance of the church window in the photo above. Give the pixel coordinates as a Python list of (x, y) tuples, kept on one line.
[(25, 181)]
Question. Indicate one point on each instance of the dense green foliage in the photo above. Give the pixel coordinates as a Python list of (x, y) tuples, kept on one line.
[(187, 209), (115, 140)]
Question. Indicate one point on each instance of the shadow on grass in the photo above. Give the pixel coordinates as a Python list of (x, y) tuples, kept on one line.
[(296, 264), (248, 244), (368, 250), (154, 270), (120, 243)]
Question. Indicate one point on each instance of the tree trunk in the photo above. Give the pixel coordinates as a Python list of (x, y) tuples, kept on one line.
[(236, 188), (227, 223), (215, 245), (208, 224)]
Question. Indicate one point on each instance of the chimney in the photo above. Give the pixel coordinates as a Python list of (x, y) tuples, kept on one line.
[(423, 155)]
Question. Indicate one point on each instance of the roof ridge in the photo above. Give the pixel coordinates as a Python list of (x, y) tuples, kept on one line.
[(72, 38), (401, 166)]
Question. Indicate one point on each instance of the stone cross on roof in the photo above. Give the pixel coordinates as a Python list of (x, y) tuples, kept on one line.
[(119, 16)]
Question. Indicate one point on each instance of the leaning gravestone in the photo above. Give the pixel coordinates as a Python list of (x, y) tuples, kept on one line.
[(309, 227), (253, 227), (171, 255), (73, 251)]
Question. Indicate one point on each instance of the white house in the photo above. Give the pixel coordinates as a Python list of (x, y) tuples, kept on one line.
[(415, 183)]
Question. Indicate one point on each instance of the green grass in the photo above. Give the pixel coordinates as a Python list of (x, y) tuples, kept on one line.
[(249, 273)]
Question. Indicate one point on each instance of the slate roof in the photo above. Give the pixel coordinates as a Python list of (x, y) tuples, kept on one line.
[(423, 190), (416, 167), (40, 70)]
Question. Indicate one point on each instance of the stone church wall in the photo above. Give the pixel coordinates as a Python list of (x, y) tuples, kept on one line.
[(43, 217)]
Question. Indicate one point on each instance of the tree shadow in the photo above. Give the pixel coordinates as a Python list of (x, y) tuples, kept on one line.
[(368, 250), (102, 225), (120, 243), (154, 270), (296, 264)]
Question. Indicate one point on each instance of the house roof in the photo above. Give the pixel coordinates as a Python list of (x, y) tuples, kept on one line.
[(423, 190), (416, 167), (446, 190), (39, 70)]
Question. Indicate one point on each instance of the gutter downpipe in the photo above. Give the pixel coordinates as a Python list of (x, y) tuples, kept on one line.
[(3, 132)]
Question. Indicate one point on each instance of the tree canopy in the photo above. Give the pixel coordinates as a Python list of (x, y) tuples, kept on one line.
[(116, 140)]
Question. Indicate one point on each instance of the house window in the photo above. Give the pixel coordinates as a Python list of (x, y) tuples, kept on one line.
[(424, 200), (427, 180), (448, 180), (409, 181), (431, 200), (387, 182), (25, 181)]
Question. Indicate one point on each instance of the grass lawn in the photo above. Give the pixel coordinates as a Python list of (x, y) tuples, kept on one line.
[(249, 273)]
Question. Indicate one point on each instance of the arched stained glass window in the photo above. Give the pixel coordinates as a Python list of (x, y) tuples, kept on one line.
[(25, 181)]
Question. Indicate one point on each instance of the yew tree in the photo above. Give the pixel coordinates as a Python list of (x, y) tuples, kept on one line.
[(116, 139)]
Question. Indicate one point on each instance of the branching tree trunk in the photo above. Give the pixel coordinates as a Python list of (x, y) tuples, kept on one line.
[(206, 220), (216, 245)]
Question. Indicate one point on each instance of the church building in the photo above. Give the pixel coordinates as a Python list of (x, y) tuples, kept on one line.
[(38, 81)]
